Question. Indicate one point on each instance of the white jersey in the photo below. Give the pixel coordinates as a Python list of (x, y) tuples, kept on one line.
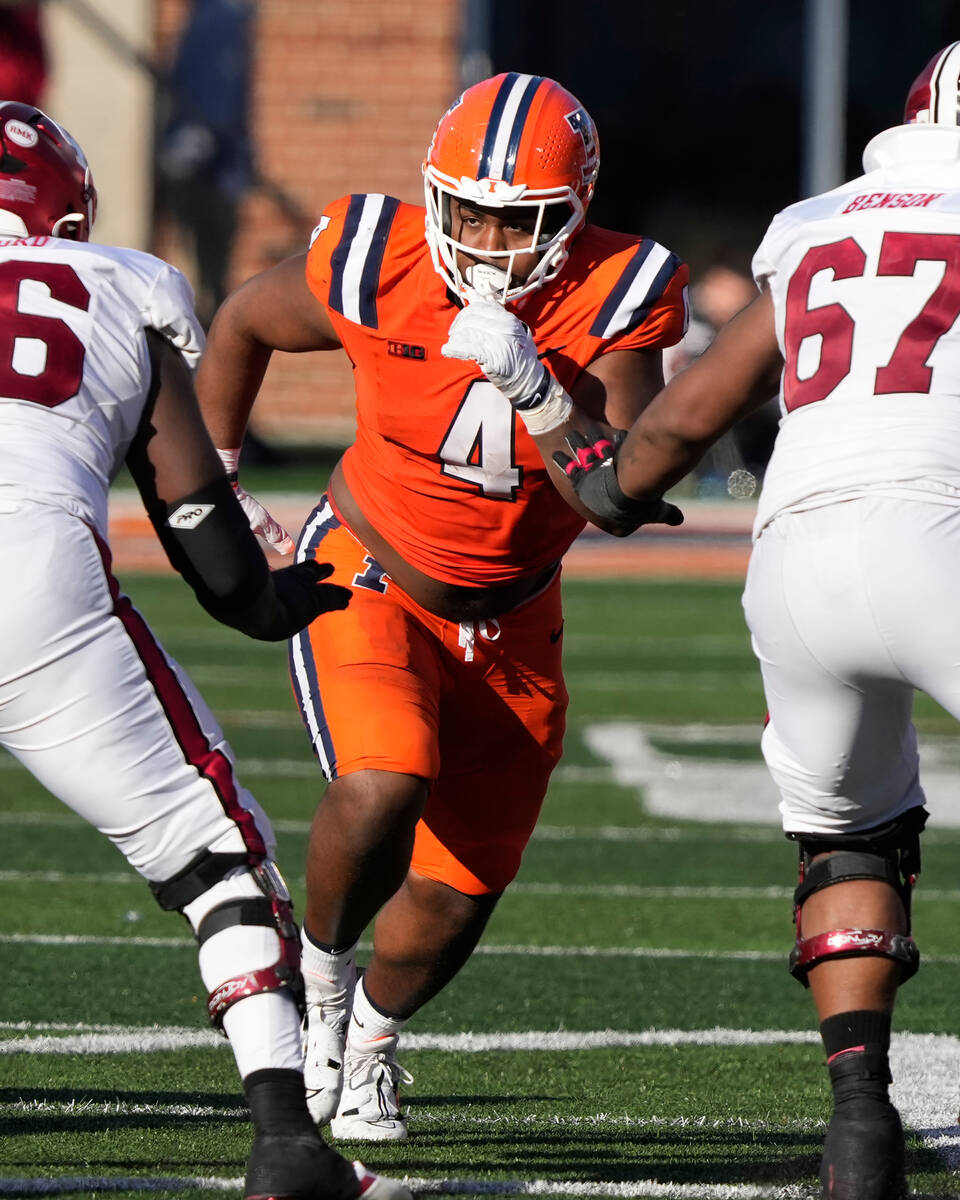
[(74, 364), (865, 282)]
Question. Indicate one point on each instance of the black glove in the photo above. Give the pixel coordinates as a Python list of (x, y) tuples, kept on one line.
[(593, 473), (301, 597)]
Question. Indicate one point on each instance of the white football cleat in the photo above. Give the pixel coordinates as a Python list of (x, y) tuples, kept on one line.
[(370, 1102), (324, 1034), (379, 1187)]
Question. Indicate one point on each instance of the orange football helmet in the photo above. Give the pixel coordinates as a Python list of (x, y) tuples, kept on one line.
[(513, 140), (934, 97)]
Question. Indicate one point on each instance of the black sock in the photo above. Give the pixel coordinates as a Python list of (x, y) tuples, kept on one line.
[(854, 1031), (857, 1045), (278, 1103)]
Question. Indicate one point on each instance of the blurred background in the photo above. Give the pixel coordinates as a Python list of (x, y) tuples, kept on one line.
[(218, 129)]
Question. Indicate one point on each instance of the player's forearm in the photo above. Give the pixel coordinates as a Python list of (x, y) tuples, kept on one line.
[(229, 378), (733, 377), (651, 461)]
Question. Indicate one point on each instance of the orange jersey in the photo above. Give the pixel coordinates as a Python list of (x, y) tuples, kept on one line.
[(442, 467)]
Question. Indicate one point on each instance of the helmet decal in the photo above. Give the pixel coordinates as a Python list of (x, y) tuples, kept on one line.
[(21, 133)]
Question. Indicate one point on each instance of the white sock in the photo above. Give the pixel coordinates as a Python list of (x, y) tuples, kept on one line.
[(368, 1024), (325, 974), (264, 1031)]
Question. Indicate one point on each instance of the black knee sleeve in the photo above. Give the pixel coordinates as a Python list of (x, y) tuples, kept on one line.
[(889, 854)]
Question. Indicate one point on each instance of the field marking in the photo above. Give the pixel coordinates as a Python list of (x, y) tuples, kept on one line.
[(461, 1187), (94, 1184), (925, 1069), (122, 1039), (545, 832), (444, 1117), (640, 1187), (121, 1108), (491, 949), (614, 890), (602, 890), (720, 790)]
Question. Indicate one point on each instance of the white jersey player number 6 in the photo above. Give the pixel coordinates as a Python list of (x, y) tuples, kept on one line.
[(61, 367), (906, 370)]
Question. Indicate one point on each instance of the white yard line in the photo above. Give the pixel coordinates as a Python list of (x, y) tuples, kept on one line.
[(639, 1187), (613, 890), (95, 1184), (460, 1187), (120, 1108), (425, 1116), (491, 949), (925, 1067)]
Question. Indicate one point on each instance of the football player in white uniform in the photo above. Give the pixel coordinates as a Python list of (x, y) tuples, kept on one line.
[(96, 352), (851, 595)]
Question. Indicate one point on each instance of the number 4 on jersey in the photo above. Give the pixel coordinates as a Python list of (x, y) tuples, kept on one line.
[(479, 445)]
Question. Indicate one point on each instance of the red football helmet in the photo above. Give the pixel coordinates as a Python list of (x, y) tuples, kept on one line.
[(45, 181), (934, 97), (513, 140)]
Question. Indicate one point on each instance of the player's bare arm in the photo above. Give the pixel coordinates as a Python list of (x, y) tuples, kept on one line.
[(735, 375), (622, 488), (608, 397), (200, 523), (274, 310)]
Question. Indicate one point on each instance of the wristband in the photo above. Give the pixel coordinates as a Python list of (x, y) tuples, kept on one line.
[(231, 463), (549, 409)]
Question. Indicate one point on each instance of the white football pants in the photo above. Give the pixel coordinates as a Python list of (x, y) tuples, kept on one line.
[(92, 706), (852, 606)]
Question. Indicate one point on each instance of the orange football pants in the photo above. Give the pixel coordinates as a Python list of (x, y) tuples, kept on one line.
[(476, 709)]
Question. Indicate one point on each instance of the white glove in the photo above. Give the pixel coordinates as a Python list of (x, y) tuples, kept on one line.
[(504, 349), (259, 520), (501, 345)]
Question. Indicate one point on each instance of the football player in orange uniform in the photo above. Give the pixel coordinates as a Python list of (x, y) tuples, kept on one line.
[(435, 703)]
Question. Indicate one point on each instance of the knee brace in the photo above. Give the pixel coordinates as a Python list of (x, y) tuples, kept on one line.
[(218, 892), (889, 854)]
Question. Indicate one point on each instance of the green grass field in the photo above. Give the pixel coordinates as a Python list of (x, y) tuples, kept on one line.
[(628, 1026)]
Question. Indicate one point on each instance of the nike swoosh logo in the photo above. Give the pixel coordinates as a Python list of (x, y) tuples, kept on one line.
[(556, 634)]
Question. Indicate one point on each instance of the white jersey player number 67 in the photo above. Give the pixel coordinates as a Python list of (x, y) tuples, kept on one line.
[(906, 370)]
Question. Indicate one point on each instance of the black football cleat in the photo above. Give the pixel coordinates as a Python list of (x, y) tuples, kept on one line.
[(863, 1154), (298, 1166)]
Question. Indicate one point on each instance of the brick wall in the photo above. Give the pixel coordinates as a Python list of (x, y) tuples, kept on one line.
[(345, 99)]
